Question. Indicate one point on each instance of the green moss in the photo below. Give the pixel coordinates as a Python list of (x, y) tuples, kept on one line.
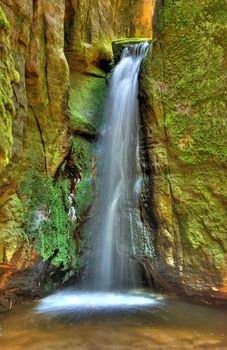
[(201, 224), (7, 77), (84, 196), (87, 93), (194, 97), (86, 102), (82, 154), (4, 24), (206, 244), (16, 77), (80, 124), (12, 234), (128, 41), (46, 218)]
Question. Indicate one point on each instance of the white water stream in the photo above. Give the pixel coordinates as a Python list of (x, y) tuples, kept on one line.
[(112, 275), (104, 315), (111, 264)]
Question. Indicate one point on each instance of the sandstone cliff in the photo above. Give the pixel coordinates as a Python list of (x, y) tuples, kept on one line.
[(184, 115)]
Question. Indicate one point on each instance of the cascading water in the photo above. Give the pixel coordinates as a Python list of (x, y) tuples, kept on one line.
[(99, 317), (111, 263)]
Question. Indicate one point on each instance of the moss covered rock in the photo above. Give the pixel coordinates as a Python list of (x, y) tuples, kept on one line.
[(33, 124), (183, 109), (8, 75), (86, 101)]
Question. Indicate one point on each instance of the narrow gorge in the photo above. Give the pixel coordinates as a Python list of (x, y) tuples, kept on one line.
[(113, 160)]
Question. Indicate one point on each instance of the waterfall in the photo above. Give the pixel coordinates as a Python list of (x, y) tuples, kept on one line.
[(112, 247)]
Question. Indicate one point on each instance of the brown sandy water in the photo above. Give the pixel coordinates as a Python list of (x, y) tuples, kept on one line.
[(167, 324)]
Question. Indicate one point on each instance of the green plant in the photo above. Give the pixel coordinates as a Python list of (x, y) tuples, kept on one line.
[(46, 218), (4, 24)]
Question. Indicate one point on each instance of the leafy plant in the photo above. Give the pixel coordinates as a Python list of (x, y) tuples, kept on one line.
[(46, 218)]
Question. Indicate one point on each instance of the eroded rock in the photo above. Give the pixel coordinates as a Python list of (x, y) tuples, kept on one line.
[(182, 95)]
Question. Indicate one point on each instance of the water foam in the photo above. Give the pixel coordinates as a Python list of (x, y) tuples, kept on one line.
[(79, 301)]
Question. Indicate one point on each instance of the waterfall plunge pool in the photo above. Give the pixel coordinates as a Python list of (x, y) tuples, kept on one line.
[(71, 320), (94, 302)]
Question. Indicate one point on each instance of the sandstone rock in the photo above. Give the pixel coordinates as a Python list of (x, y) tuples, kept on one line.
[(182, 101), (8, 76), (91, 27), (37, 138)]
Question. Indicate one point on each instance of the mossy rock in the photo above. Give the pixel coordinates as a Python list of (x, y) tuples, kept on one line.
[(8, 76), (182, 95), (119, 45), (193, 83), (82, 155), (86, 100), (80, 125), (4, 24)]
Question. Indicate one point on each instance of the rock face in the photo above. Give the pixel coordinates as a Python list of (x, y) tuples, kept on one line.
[(91, 27), (35, 76), (55, 57), (54, 60), (8, 76), (183, 110)]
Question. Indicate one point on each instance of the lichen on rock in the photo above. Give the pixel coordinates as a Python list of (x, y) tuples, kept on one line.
[(8, 75)]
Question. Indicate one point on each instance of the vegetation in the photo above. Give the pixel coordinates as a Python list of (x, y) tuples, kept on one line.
[(82, 157), (4, 24), (86, 101), (83, 196), (46, 218)]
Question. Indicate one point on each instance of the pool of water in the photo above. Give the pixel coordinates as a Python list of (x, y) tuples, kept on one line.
[(73, 320)]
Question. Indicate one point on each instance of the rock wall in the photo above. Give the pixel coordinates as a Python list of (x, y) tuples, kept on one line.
[(54, 59), (91, 27), (184, 118), (39, 128)]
